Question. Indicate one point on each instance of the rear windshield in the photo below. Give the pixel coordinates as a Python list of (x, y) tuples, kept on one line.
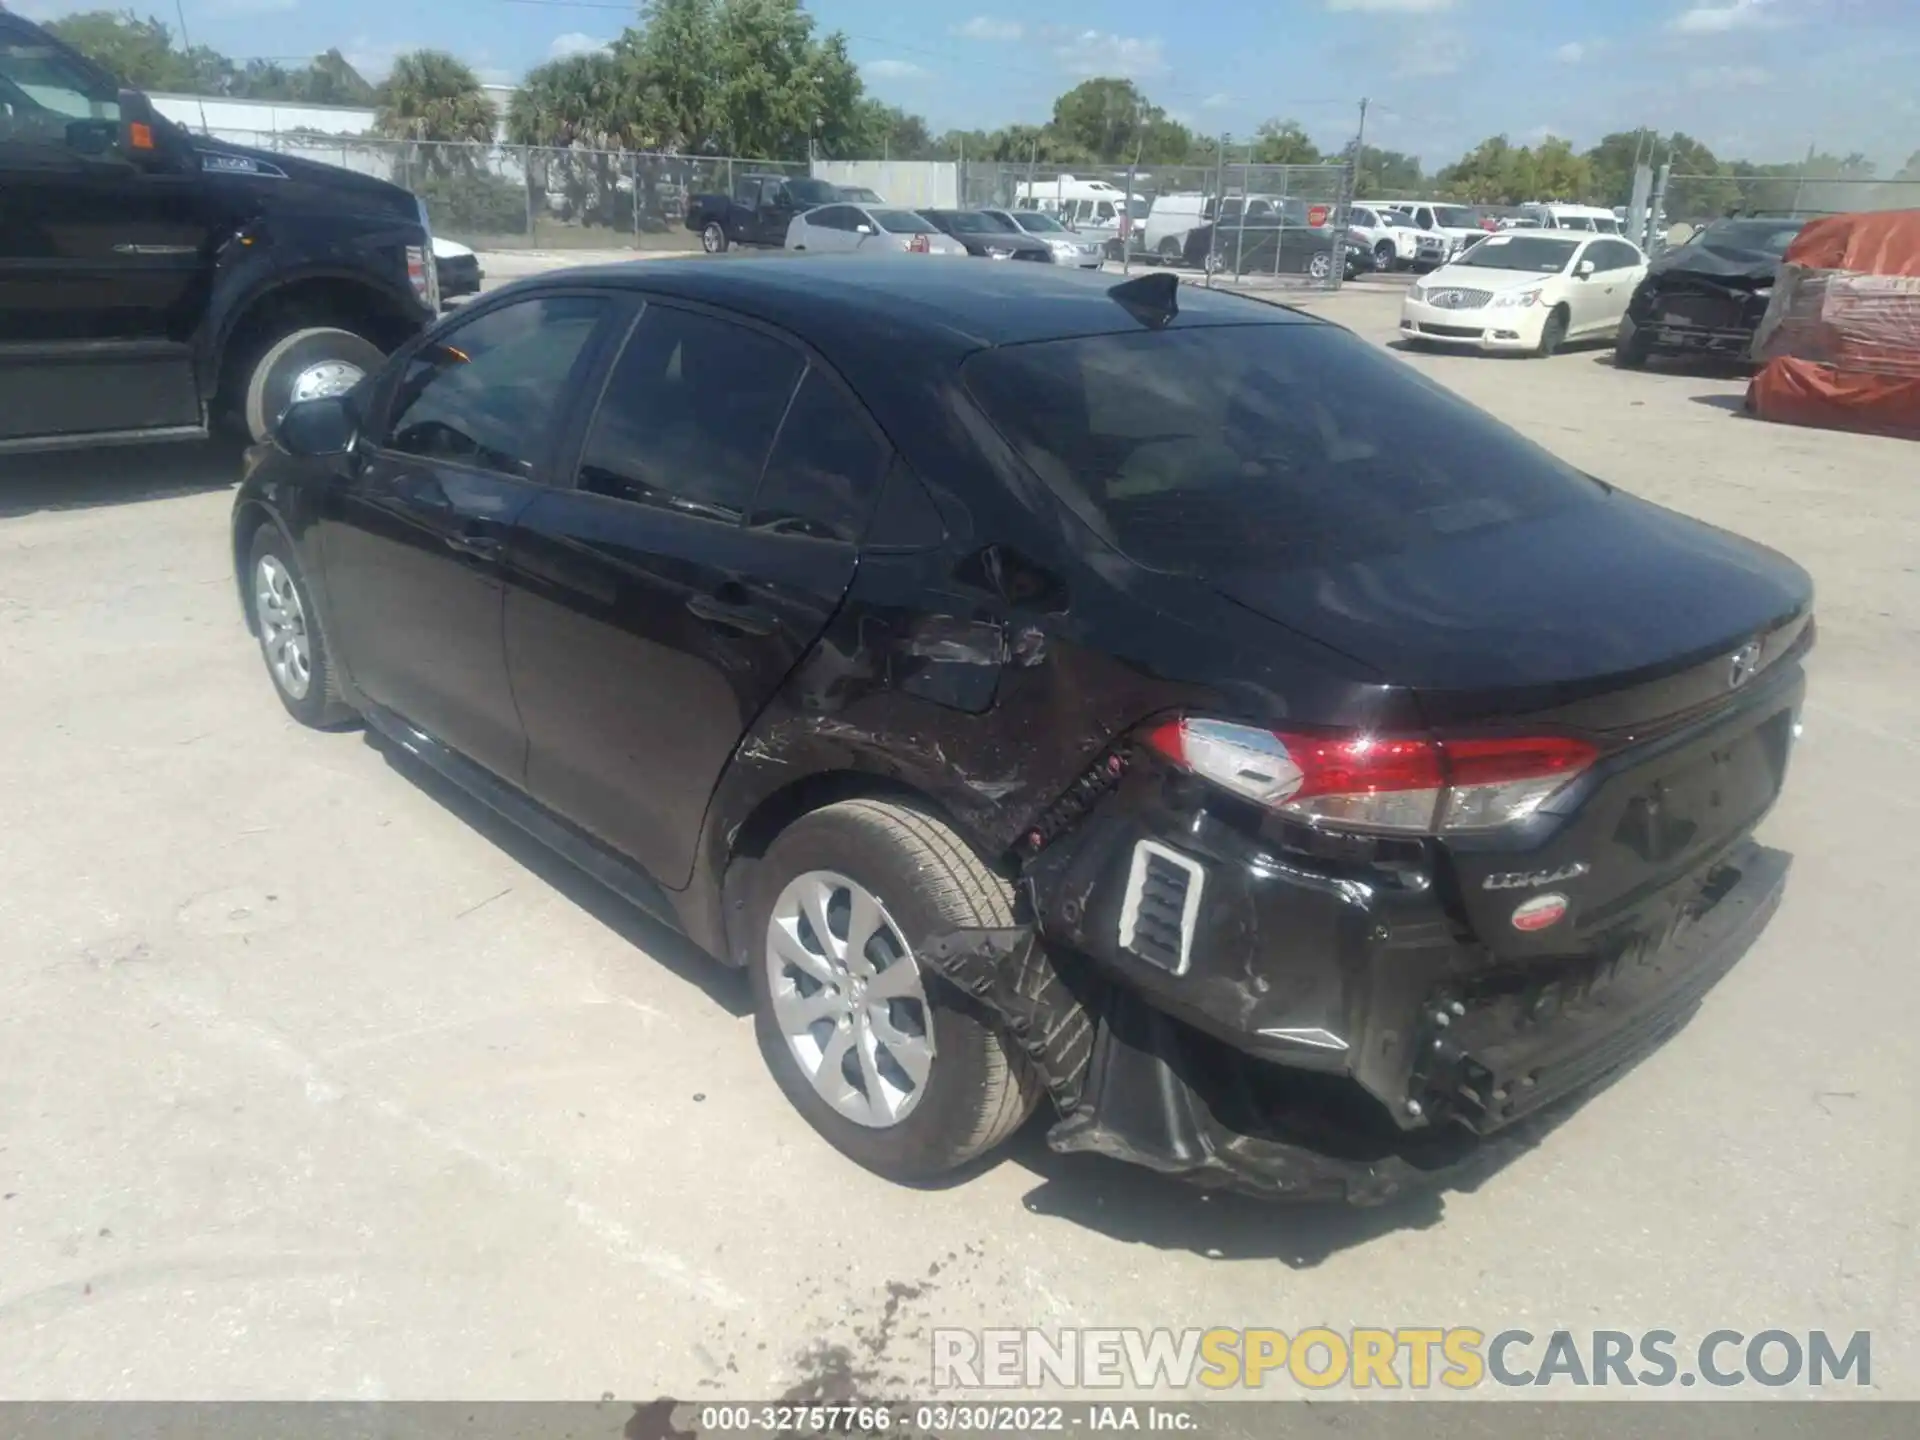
[(812, 192), (1541, 254), (1766, 237), (1038, 223), (970, 222), (1455, 217), (1210, 450), (904, 222), (1001, 221)]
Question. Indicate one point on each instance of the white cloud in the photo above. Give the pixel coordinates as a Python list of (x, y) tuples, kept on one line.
[(1718, 18), (1571, 53), (1220, 100), (1727, 77), (986, 27), (574, 43), (893, 69), (1125, 57), (1403, 7)]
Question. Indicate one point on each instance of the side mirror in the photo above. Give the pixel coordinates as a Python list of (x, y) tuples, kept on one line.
[(1583, 269), (327, 426), (142, 134), (863, 230)]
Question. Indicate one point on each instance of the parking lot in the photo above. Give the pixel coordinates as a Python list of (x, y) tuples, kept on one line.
[(318, 1080)]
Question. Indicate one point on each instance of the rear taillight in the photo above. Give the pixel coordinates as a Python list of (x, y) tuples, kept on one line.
[(1409, 785)]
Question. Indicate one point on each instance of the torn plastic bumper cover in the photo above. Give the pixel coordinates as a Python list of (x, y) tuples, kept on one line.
[(1132, 1082)]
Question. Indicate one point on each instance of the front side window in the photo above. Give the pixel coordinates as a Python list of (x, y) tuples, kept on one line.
[(44, 91), (688, 415), (486, 393), (825, 468), (1218, 449), (833, 217)]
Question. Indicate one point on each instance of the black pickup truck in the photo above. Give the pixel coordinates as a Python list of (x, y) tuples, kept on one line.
[(758, 212), (154, 282)]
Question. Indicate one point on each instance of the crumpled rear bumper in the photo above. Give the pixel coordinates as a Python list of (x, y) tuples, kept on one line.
[(1136, 1084)]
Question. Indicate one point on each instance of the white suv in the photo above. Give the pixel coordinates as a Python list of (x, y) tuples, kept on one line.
[(1394, 243)]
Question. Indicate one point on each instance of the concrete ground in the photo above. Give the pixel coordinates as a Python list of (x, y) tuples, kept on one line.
[(317, 1081)]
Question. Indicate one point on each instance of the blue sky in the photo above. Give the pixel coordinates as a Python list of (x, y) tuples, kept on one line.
[(1759, 79)]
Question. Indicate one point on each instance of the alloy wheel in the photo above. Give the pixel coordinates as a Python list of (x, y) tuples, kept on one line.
[(324, 378), (713, 239), (1321, 265), (283, 627), (849, 999)]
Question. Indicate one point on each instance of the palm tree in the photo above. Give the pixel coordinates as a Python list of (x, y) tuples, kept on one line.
[(432, 98), (587, 108)]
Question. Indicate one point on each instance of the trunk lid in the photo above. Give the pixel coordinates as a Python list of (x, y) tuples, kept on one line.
[(1610, 616), (1673, 645)]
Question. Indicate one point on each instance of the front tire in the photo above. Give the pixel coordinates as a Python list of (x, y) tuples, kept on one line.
[(1553, 334), (292, 642), (1630, 346), (305, 365), (1385, 257), (893, 1067), (713, 238)]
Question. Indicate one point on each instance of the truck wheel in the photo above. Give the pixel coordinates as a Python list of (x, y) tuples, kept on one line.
[(713, 239), (896, 1069), (1170, 249), (306, 365), (1385, 257)]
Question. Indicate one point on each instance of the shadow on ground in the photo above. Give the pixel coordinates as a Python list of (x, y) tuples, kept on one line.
[(116, 475), (655, 939), (1733, 404)]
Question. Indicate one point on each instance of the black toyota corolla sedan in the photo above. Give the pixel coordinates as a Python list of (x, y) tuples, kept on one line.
[(1147, 702)]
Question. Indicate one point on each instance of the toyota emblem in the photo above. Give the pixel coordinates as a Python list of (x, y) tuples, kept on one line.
[(1743, 665)]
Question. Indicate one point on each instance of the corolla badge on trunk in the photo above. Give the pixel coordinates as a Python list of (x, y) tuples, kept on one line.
[(1539, 912), (1528, 879), (1743, 664)]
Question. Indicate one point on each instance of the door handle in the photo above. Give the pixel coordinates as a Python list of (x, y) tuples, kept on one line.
[(474, 547), (723, 610)]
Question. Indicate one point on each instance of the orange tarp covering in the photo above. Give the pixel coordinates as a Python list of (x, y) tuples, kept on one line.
[(1841, 338)]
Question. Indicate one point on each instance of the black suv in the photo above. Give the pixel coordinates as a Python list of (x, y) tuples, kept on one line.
[(1150, 700), (153, 282)]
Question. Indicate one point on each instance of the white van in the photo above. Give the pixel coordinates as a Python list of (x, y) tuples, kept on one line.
[(1099, 211), (1173, 217), (1572, 217)]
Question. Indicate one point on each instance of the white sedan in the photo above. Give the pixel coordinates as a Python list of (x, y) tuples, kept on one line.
[(869, 229), (1526, 291)]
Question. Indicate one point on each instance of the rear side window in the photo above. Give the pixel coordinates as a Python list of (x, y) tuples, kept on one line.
[(825, 467), (688, 415), (486, 393), (1210, 450)]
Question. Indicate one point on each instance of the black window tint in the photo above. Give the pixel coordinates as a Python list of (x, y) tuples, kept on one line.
[(46, 98), (822, 474), (486, 393), (688, 414), (1211, 450), (832, 217)]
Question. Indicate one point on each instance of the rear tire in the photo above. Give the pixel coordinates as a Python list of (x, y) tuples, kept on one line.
[(292, 640), (301, 366), (713, 238), (978, 1086), (1170, 250), (1553, 334)]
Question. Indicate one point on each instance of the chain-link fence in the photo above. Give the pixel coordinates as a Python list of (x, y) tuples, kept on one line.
[(498, 197), (1281, 223), (1693, 200)]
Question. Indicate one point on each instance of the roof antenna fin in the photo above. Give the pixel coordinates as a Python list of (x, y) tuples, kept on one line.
[(1151, 299)]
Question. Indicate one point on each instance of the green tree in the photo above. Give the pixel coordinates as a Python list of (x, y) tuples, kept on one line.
[(1111, 121), (1385, 173), (1284, 142), (1558, 173), (141, 53), (434, 101)]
